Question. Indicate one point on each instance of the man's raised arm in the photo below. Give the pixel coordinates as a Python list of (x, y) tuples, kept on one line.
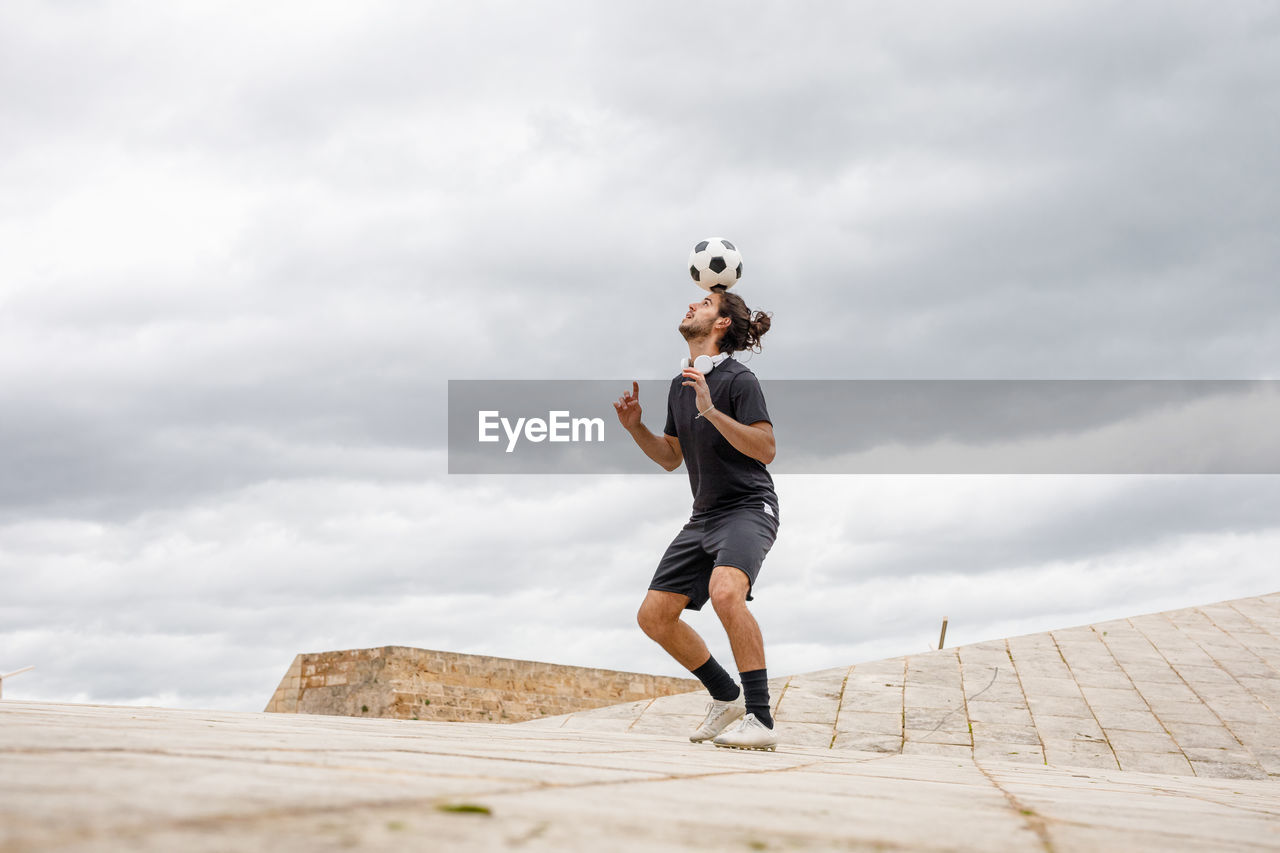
[(665, 450)]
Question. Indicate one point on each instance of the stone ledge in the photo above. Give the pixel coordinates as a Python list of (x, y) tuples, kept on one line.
[(400, 682)]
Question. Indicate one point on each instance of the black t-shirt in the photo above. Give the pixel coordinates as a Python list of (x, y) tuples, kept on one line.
[(722, 477)]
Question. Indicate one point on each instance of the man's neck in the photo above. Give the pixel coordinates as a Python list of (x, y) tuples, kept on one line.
[(703, 346)]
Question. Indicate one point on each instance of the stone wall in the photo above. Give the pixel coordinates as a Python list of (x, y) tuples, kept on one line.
[(419, 684)]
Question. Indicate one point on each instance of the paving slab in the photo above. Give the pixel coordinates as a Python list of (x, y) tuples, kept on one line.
[(859, 699), (1009, 713), (998, 733), (869, 721), (1174, 763), (867, 741), (1142, 741), (1021, 753)]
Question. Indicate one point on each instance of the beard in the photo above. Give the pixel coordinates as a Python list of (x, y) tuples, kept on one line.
[(693, 330)]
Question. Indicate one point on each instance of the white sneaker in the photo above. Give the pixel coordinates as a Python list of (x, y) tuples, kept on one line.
[(719, 715), (749, 733)]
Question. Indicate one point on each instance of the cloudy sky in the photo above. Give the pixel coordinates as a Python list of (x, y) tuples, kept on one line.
[(243, 248)]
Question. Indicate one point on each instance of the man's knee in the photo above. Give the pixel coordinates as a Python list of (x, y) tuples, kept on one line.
[(729, 587), (647, 619), (656, 616)]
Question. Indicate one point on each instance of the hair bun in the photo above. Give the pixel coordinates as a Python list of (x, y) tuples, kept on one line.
[(760, 324)]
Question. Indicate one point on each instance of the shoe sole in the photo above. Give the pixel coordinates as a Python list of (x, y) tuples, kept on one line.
[(770, 748)]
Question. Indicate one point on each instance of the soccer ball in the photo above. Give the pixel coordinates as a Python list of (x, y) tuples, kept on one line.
[(715, 261)]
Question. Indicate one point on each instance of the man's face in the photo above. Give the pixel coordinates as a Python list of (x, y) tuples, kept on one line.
[(700, 320)]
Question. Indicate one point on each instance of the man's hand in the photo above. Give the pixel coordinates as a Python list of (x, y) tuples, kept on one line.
[(664, 450), (702, 394), (628, 408)]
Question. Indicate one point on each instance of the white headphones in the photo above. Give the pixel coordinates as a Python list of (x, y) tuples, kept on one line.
[(704, 363)]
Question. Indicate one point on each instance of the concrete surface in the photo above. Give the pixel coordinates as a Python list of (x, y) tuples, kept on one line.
[(97, 778), (1185, 692), (1154, 733)]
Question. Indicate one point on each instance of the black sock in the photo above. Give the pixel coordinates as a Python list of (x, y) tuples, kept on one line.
[(720, 683), (756, 685)]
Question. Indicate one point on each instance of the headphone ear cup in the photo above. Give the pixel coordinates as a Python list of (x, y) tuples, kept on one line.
[(703, 364)]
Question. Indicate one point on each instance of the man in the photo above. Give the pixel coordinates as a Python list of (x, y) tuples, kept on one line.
[(717, 424)]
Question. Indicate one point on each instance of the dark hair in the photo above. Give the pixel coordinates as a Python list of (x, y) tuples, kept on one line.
[(745, 331)]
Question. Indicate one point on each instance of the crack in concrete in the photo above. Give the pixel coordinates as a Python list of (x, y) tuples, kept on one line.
[(964, 698), (1044, 753), (1058, 648), (782, 693), (902, 738), (835, 724), (638, 716), (1033, 821)]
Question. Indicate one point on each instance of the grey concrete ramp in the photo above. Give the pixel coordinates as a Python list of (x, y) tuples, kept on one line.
[(1156, 733), (95, 778), (1190, 692)]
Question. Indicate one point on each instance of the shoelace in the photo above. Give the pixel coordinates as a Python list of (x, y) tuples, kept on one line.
[(710, 708)]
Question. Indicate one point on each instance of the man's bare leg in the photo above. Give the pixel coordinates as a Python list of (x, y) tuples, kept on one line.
[(659, 617), (729, 588)]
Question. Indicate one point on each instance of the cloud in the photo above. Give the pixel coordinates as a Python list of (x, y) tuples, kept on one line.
[(245, 250), (209, 603)]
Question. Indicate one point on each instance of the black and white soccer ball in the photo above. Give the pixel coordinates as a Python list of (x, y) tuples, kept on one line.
[(715, 261)]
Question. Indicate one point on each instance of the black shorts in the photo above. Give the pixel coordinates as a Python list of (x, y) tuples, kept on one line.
[(738, 538)]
